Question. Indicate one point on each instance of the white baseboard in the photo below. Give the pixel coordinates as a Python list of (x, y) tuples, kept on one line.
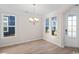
[(19, 42), (54, 43)]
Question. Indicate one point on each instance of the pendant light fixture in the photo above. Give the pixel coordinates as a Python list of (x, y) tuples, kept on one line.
[(34, 19)]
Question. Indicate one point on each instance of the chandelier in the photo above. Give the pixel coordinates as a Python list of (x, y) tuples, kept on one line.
[(34, 19)]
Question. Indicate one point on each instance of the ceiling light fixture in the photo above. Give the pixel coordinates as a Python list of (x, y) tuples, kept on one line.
[(34, 19)]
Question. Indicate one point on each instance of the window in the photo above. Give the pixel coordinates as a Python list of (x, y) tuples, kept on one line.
[(8, 26), (47, 25), (72, 26), (53, 25)]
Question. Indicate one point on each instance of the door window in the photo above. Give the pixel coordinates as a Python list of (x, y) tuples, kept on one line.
[(72, 26)]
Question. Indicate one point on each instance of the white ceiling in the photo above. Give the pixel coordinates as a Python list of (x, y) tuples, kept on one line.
[(40, 9)]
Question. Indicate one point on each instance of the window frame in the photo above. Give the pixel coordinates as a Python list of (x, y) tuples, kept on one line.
[(2, 26)]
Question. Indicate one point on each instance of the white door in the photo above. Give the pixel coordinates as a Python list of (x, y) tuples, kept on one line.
[(70, 31)]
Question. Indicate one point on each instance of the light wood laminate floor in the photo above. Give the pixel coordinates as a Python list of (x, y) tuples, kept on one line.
[(35, 47)]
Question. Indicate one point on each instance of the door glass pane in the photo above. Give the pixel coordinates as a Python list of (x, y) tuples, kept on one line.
[(69, 28), (69, 18), (69, 22), (74, 34), (74, 28), (74, 23), (70, 34), (74, 18)]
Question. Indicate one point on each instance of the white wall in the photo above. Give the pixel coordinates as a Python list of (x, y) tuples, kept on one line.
[(25, 31), (54, 39)]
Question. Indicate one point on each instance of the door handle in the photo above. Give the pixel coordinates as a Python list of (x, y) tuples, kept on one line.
[(65, 31)]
